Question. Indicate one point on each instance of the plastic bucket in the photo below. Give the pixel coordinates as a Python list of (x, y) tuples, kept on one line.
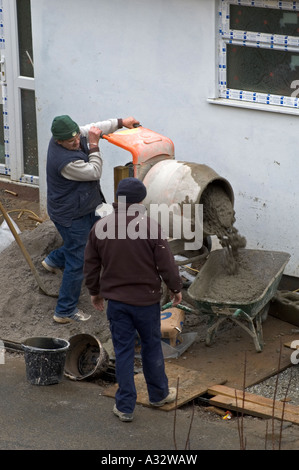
[(45, 359), (86, 358)]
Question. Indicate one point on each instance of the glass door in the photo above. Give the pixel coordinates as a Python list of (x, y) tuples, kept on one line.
[(20, 159), (3, 167), (2, 147)]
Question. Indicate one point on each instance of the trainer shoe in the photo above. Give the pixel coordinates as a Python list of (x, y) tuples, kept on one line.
[(48, 267), (126, 417), (79, 316), (169, 399)]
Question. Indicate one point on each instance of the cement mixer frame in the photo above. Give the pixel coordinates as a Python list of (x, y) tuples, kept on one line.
[(167, 180)]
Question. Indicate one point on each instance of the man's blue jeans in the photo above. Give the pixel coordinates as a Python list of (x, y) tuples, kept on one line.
[(124, 321), (70, 257)]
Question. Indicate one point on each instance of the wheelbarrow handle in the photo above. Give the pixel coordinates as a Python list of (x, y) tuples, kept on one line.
[(182, 307)]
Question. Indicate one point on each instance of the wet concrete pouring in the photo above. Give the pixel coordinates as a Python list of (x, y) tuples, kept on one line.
[(27, 312)]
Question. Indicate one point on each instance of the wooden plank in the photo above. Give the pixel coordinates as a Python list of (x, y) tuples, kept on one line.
[(252, 398), (253, 409), (191, 384)]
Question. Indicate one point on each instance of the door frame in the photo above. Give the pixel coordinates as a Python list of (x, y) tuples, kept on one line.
[(14, 83)]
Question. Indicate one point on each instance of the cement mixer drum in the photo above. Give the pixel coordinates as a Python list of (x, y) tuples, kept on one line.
[(177, 182)]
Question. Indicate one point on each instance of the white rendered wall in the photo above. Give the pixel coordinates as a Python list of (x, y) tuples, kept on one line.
[(156, 60)]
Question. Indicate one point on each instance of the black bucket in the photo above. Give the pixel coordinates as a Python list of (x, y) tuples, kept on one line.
[(45, 360), (86, 358)]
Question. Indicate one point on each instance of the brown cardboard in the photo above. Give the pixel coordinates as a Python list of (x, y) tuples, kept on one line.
[(172, 321)]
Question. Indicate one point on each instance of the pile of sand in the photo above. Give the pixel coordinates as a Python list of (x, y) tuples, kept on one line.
[(25, 311)]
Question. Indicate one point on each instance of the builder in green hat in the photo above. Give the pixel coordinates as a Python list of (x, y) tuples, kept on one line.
[(74, 168)]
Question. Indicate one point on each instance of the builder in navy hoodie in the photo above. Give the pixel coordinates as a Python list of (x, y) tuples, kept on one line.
[(74, 168)]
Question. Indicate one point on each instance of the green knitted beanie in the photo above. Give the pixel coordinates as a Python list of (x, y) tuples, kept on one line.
[(64, 128)]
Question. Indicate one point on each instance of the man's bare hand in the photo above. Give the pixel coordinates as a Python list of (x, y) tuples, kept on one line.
[(98, 302), (94, 134), (129, 122), (176, 298)]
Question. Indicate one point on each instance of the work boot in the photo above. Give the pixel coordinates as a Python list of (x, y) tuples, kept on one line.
[(169, 399), (50, 267), (79, 316), (126, 417)]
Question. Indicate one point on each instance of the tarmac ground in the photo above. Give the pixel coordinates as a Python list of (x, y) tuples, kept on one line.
[(74, 415)]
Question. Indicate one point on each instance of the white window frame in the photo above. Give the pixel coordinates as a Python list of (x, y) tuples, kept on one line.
[(248, 99)]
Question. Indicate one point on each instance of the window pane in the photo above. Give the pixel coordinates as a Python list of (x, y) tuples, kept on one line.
[(29, 133), (264, 20), (25, 38), (262, 70)]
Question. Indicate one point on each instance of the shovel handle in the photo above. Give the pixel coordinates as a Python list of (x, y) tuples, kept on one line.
[(24, 251), (17, 238)]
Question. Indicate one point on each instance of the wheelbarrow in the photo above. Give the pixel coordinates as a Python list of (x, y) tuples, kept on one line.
[(244, 297)]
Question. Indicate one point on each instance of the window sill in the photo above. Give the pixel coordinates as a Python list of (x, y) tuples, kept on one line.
[(255, 106)]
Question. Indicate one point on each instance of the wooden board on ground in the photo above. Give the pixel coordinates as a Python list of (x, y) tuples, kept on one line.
[(190, 383), (251, 404)]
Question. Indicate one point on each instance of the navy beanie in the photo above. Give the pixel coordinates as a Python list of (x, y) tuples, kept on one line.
[(131, 188)]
